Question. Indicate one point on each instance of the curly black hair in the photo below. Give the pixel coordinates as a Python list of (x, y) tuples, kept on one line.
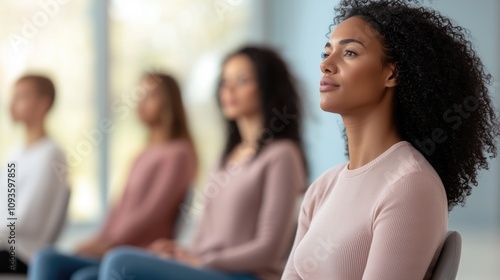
[(442, 102)]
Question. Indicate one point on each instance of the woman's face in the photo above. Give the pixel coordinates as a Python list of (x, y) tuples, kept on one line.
[(150, 107), (355, 79), (25, 105), (239, 93)]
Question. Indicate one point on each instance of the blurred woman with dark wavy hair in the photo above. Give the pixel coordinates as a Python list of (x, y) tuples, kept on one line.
[(413, 96), (248, 222)]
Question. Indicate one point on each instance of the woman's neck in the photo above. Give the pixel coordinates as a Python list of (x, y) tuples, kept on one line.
[(250, 129), (158, 135), (368, 137)]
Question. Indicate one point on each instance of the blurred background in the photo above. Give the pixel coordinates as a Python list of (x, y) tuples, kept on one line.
[(96, 50)]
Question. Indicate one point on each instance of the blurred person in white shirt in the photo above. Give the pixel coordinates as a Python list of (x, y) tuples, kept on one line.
[(40, 187)]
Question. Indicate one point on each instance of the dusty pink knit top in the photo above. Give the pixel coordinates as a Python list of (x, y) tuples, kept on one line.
[(383, 221), (249, 219), (156, 187)]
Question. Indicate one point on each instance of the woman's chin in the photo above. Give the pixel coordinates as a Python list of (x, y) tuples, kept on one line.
[(230, 116), (328, 106)]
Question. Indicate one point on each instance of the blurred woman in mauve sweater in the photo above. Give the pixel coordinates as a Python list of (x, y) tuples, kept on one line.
[(157, 184), (247, 223)]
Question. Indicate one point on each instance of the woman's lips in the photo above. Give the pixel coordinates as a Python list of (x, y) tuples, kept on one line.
[(229, 103), (327, 84)]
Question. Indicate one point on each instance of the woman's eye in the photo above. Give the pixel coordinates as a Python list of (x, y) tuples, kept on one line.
[(242, 81), (324, 55), (350, 53)]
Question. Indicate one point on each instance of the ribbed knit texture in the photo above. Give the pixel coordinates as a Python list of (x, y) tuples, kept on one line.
[(149, 206), (386, 220), (249, 220)]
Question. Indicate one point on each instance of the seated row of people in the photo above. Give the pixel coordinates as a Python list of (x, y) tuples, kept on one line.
[(381, 215), (248, 218)]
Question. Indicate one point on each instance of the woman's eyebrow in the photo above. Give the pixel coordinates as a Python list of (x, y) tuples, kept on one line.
[(344, 42)]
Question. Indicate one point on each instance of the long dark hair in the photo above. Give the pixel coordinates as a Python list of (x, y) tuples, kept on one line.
[(279, 100)]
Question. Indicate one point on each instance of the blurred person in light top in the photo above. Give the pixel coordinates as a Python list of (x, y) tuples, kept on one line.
[(41, 188)]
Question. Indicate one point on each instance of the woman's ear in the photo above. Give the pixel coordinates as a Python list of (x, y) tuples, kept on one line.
[(391, 80)]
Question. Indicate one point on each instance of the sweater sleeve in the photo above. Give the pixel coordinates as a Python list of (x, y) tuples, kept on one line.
[(114, 212), (409, 226), (163, 195), (284, 180)]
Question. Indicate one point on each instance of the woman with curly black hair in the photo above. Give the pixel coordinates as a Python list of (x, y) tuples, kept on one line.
[(413, 97)]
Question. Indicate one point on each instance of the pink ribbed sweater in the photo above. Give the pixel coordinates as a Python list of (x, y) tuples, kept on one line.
[(383, 221), (156, 187), (248, 221)]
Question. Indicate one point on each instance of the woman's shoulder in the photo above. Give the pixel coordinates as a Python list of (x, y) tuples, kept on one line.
[(178, 147), (281, 148), (164, 154), (282, 144), (407, 163), (284, 153), (50, 150), (323, 185), (411, 175)]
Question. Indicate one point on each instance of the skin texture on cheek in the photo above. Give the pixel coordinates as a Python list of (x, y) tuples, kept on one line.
[(366, 84)]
